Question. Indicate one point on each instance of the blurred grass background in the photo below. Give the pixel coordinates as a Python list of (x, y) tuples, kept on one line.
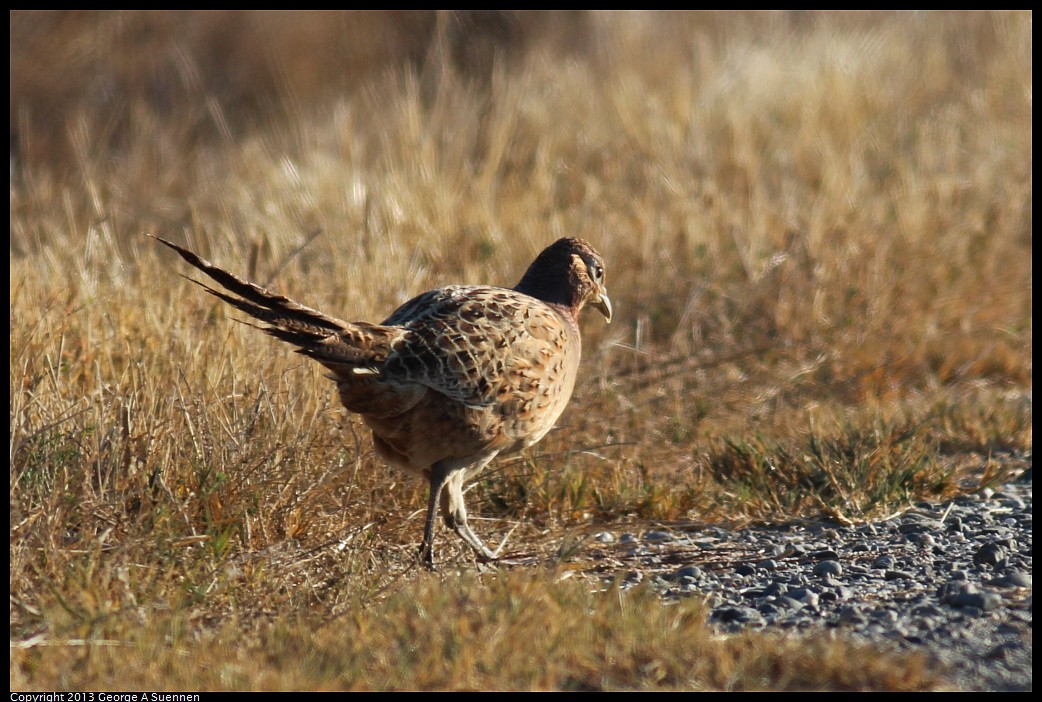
[(818, 235)]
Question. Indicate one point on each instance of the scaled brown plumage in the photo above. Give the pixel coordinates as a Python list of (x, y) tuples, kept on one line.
[(455, 376)]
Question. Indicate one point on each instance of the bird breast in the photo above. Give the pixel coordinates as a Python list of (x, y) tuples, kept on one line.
[(483, 369)]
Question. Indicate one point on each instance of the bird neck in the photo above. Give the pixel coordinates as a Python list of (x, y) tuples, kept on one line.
[(551, 287)]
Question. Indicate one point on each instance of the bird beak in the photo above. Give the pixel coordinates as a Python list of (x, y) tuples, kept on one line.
[(603, 305)]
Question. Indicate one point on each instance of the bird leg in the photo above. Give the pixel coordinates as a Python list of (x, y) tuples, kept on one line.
[(438, 478), (447, 477), (454, 511)]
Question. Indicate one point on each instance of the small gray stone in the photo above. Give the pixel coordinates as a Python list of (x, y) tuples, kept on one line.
[(604, 537), (825, 554), (1014, 578), (789, 603), (736, 614), (689, 571), (898, 575), (808, 597), (991, 553), (925, 540), (827, 568)]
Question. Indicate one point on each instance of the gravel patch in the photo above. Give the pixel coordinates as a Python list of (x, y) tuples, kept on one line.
[(952, 580)]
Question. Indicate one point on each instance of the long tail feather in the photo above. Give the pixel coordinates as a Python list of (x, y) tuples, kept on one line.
[(267, 306), (338, 345)]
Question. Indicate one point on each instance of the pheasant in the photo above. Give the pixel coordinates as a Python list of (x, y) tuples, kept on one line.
[(454, 377)]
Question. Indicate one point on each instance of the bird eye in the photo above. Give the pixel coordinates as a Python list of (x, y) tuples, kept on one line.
[(595, 269)]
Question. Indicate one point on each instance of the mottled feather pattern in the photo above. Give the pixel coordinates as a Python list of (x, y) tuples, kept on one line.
[(465, 342), (455, 376)]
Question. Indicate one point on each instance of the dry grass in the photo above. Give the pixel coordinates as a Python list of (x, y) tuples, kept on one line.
[(466, 633), (818, 230)]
